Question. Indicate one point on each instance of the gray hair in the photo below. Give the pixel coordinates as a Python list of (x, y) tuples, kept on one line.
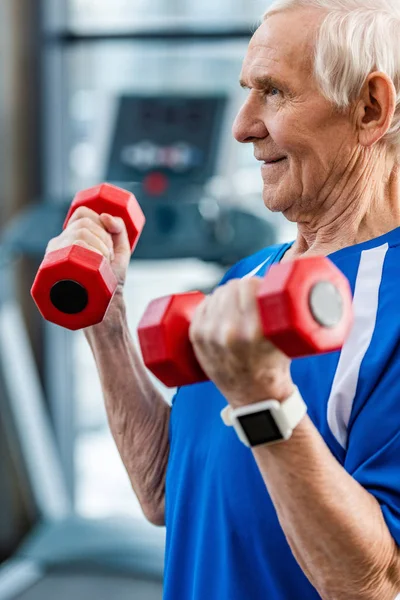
[(356, 38)]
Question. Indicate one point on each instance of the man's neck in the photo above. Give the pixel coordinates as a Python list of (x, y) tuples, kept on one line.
[(362, 217)]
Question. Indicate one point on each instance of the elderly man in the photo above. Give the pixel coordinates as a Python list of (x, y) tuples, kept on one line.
[(318, 515)]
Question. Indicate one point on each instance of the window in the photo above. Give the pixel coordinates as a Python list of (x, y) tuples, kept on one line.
[(101, 15)]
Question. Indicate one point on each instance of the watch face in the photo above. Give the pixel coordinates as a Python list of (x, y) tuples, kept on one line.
[(260, 428)]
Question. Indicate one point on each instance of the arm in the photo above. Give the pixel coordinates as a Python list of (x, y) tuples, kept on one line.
[(334, 525), (335, 528), (137, 413)]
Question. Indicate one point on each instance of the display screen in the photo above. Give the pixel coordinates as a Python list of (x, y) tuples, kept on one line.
[(260, 428), (171, 139)]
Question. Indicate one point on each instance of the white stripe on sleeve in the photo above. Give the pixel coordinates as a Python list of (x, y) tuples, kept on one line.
[(257, 269)]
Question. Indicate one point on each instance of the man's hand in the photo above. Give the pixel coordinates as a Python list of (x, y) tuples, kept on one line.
[(227, 338), (104, 234)]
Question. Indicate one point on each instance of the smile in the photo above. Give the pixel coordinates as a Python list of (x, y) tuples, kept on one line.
[(275, 162)]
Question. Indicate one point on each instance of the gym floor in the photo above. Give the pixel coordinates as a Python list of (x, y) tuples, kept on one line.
[(85, 586)]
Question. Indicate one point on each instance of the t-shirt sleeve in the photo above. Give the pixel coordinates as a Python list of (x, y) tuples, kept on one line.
[(373, 451), (246, 265), (230, 274)]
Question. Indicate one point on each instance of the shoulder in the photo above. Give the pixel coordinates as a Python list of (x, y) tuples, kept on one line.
[(250, 263), (391, 266)]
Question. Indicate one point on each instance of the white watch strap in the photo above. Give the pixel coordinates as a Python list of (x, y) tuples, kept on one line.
[(294, 409), (226, 416)]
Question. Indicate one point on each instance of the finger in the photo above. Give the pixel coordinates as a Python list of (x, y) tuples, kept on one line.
[(86, 236), (113, 224), (248, 306), (228, 315), (82, 212), (234, 308), (216, 317), (196, 329), (117, 228), (247, 294), (98, 230)]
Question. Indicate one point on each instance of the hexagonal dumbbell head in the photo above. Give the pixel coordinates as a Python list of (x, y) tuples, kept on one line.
[(164, 340), (74, 286), (306, 307)]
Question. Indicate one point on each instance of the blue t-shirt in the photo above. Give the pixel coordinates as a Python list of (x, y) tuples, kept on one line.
[(224, 541)]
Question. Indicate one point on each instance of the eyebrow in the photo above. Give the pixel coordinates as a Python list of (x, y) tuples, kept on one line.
[(264, 82)]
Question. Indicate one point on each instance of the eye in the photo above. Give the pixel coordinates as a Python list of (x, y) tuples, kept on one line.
[(270, 92)]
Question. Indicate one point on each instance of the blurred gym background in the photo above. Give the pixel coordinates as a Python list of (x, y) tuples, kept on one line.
[(141, 93)]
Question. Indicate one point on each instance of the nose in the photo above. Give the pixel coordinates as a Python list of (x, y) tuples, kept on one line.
[(248, 125)]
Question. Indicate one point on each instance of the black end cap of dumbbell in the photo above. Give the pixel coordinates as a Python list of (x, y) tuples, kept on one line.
[(69, 297)]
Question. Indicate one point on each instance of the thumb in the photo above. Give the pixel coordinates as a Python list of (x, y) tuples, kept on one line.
[(116, 227)]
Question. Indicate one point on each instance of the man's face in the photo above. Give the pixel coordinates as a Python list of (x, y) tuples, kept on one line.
[(285, 115)]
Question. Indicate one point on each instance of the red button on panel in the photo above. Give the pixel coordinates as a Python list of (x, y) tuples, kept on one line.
[(156, 184)]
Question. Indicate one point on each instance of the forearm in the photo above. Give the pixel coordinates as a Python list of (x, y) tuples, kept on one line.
[(137, 413), (334, 526)]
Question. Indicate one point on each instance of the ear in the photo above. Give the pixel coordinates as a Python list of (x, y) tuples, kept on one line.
[(376, 108)]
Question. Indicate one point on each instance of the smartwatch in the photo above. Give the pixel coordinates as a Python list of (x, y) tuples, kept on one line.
[(268, 422)]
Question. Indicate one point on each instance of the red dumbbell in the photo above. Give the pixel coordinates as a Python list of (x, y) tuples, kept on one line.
[(74, 286), (305, 308)]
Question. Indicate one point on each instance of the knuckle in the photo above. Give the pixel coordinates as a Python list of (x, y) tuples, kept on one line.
[(84, 244), (50, 246), (81, 243), (233, 284), (83, 234), (108, 239), (97, 230), (83, 211), (196, 333), (87, 222), (193, 331), (57, 243), (225, 336), (229, 335)]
